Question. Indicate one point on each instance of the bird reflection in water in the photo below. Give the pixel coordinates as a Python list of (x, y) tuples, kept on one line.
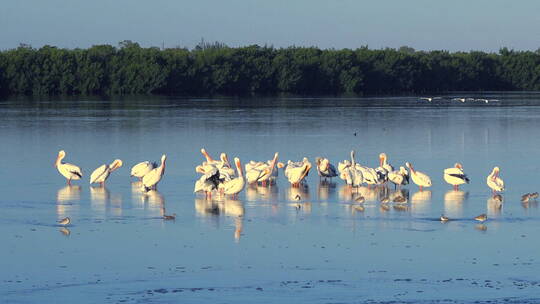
[(494, 205), (325, 189), (65, 231), (256, 192), (420, 201), (154, 200), (136, 194), (99, 197), (294, 192), (453, 202), (65, 198), (230, 208)]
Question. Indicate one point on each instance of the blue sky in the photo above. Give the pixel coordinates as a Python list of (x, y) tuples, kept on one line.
[(456, 25)]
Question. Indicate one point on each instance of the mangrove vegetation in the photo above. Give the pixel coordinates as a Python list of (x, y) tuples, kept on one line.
[(214, 68)]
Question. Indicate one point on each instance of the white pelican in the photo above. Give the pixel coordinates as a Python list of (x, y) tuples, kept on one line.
[(369, 175), (101, 174), (343, 169), (430, 98), (153, 177), (325, 168), (69, 171), (399, 177), (262, 172), (455, 176), (384, 168), (494, 181), (419, 178), (209, 181), (297, 171), (142, 168), (235, 185)]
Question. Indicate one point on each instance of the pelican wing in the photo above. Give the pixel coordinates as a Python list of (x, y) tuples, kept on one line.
[(142, 168), (100, 174)]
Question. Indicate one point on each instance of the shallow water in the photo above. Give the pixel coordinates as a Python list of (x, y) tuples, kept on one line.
[(261, 247)]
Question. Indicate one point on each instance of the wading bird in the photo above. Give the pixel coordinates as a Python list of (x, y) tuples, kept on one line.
[(455, 176), (494, 182), (69, 171), (152, 178), (101, 174), (419, 178)]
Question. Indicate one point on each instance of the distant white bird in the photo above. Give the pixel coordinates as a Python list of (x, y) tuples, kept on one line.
[(455, 176), (142, 168), (399, 177), (297, 171), (494, 181), (152, 178), (69, 171), (101, 174), (419, 178), (235, 185), (430, 98)]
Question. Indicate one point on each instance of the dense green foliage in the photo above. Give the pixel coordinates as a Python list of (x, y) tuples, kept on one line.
[(218, 69)]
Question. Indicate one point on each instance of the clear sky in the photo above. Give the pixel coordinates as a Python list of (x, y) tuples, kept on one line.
[(455, 25)]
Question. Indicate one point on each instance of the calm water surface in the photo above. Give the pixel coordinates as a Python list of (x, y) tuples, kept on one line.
[(259, 247)]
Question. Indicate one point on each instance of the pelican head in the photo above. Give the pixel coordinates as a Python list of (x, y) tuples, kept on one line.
[(459, 166), (238, 166), (382, 158), (495, 171), (61, 155), (305, 160), (280, 165), (117, 163), (318, 160)]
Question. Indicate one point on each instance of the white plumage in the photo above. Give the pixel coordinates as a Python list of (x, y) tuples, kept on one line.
[(399, 177), (142, 168), (297, 171), (455, 176), (235, 185), (419, 178), (101, 174), (494, 181), (69, 171), (152, 178)]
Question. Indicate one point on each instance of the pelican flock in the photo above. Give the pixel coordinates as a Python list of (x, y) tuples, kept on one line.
[(219, 177)]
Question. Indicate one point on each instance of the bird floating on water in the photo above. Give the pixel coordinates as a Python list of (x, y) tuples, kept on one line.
[(444, 218), (65, 221), (481, 217), (69, 171), (429, 99), (169, 217)]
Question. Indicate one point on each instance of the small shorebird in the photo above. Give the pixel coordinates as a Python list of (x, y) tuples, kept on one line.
[(481, 217), (359, 199), (169, 217), (429, 99), (400, 199), (444, 219), (64, 221), (534, 195), (298, 198)]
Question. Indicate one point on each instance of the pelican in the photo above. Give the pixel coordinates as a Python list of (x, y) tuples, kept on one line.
[(399, 177), (69, 171), (262, 172), (384, 168), (101, 174), (494, 181), (152, 178), (142, 168), (209, 181), (297, 171), (369, 175), (235, 185), (419, 178), (325, 168), (455, 176)]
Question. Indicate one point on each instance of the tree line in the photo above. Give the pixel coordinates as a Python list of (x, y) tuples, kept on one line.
[(214, 68)]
